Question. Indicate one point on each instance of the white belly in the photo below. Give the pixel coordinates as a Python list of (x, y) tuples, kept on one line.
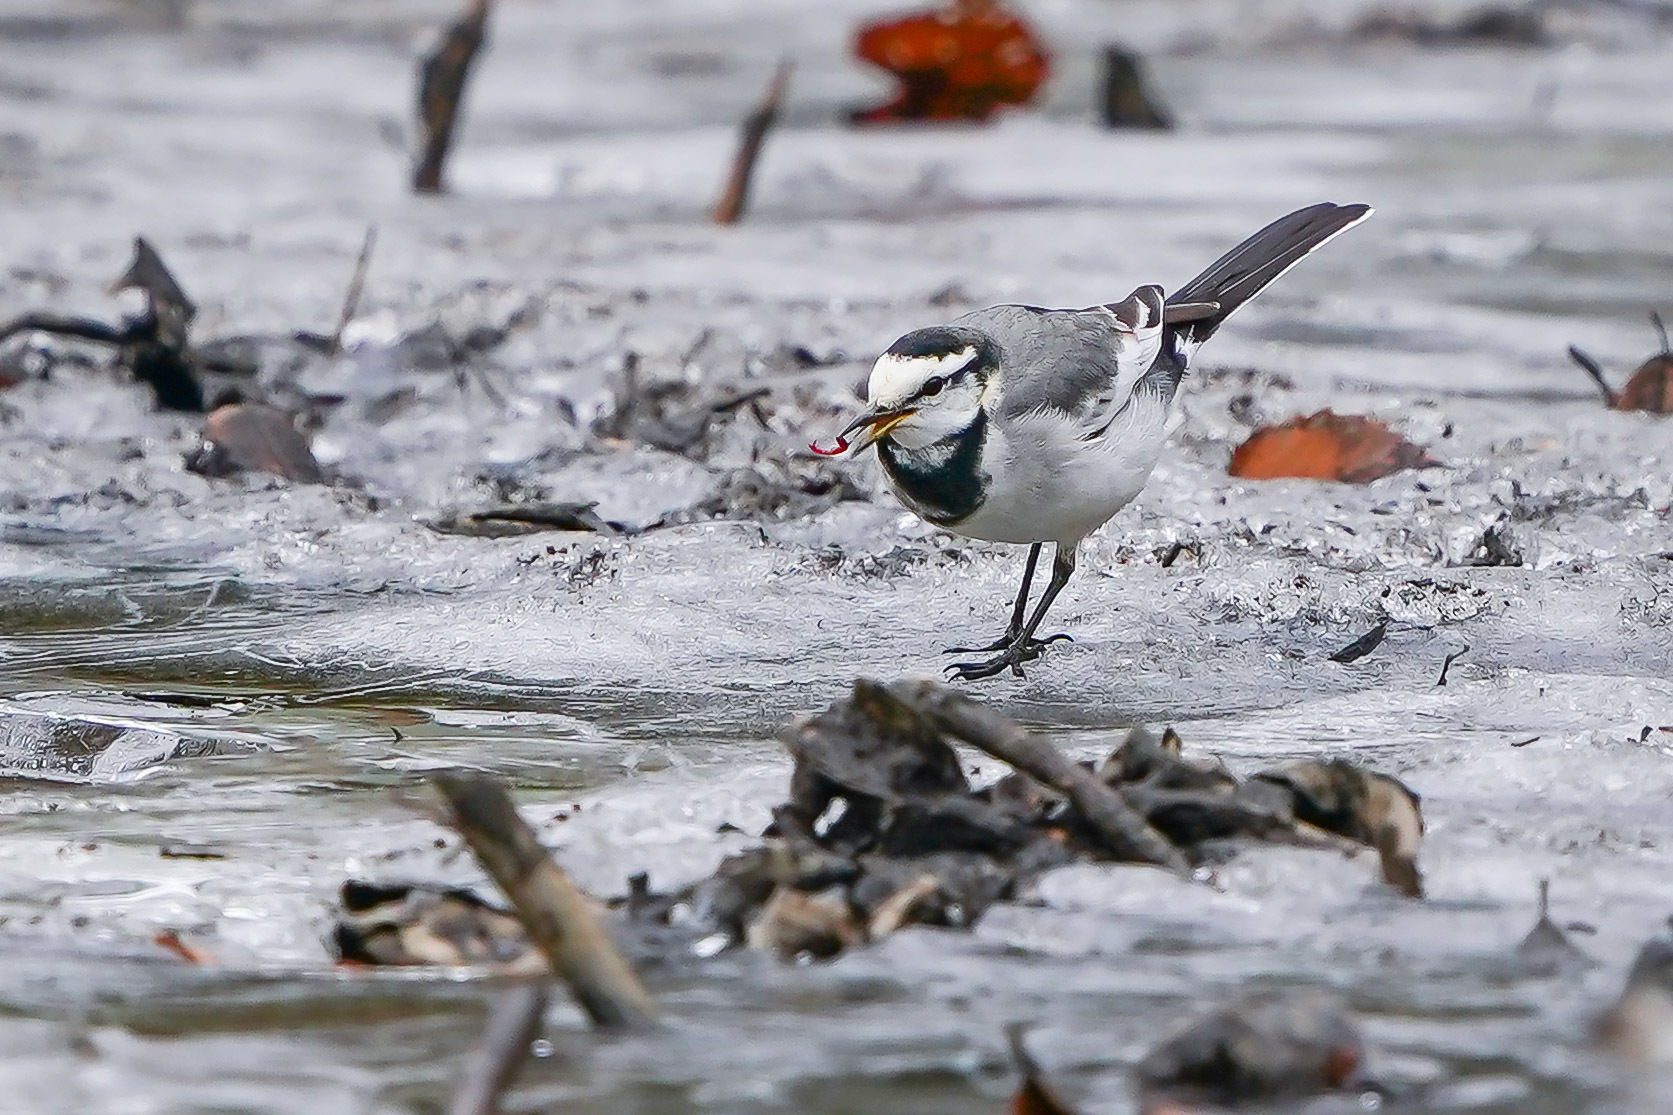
[(1048, 486)]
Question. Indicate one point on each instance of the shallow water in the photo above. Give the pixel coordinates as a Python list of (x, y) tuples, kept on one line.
[(263, 675)]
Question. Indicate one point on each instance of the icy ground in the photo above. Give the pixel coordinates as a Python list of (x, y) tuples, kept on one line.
[(1525, 203)]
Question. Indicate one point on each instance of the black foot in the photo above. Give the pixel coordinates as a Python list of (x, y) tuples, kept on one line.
[(1015, 654), (1006, 640)]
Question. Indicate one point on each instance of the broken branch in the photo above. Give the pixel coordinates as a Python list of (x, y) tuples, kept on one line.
[(1125, 833), (513, 1022), (441, 86), (730, 209), (559, 918)]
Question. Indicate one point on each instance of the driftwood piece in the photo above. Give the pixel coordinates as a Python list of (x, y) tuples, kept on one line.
[(441, 86), (1124, 832), (515, 519), (730, 209), (513, 1022), (558, 916)]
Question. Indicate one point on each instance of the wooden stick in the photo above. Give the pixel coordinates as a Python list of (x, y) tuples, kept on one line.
[(513, 1023), (1123, 831), (1591, 368), (441, 86), (351, 297), (730, 209), (559, 918)]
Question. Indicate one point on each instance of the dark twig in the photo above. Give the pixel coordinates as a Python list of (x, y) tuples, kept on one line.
[(513, 1023), (81, 328), (1592, 369), (1661, 331), (441, 86), (1362, 646), (1123, 831), (351, 297), (730, 209), (743, 399), (1450, 659), (559, 918)]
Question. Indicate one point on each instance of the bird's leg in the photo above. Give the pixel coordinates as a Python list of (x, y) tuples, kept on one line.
[(1024, 647), (1018, 610)]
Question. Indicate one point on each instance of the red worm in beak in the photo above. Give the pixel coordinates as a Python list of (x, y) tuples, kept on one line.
[(840, 447)]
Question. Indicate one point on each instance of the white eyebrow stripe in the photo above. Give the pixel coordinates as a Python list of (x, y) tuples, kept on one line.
[(896, 378)]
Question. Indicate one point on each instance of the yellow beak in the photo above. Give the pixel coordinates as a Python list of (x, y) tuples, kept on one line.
[(873, 427)]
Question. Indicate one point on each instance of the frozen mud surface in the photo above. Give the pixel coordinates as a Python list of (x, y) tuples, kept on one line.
[(266, 672)]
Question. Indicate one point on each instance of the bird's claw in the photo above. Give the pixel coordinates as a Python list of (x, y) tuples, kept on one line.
[(1000, 643), (1015, 654), (1005, 641)]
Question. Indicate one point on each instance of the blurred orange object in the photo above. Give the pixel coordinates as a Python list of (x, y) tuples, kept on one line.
[(1327, 446), (960, 62), (170, 940), (1651, 386)]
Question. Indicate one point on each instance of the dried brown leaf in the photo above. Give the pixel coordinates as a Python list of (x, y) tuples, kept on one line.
[(1327, 446)]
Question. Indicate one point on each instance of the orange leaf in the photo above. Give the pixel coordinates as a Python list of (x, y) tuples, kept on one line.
[(961, 62), (170, 939), (1327, 446), (1650, 388)]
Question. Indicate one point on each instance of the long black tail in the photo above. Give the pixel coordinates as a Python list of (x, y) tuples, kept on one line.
[(1196, 309)]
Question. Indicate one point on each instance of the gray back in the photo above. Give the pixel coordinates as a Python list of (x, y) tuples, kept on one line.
[(1074, 361)]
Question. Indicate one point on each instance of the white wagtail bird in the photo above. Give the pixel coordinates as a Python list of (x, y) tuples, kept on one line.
[(1018, 424)]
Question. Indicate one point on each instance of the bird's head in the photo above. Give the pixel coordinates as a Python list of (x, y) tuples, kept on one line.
[(929, 386)]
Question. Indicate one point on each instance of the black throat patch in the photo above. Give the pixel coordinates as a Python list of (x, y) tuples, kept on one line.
[(943, 487)]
